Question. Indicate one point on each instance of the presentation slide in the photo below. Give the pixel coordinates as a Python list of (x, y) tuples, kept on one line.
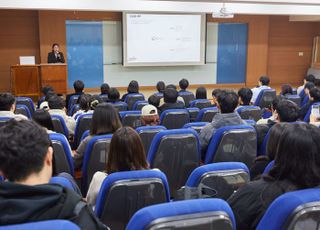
[(163, 39)]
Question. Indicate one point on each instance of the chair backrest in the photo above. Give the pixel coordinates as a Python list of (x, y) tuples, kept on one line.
[(305, 100), (132, 98), (268, 167), (120, 106), (189, 214), (294, 98), (138, 105), (265, 98), (59, 125), (197, 126), (147, 134), (3, 120), (24, 110), (201, 103), (104, 97), (233, 143), (74, 109), (187, 97), (207, 114), (193, 112), (218, 180), (48, 225), (1, 179), (27, 102), (124, 193), (174, 118), (63, 161), (307, 116), (95, 159), (176, 153), (251, 122), (131, 118), (83, 124), (250, 112), (72, 100), (293, 210), (64, 182)]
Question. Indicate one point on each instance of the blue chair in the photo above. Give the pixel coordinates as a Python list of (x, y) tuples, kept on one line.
[(294, 98), (147, 134), (64, 182), (305, 100), (218, 180), (83, 124), (207, 114), (174, 118), (62, 156), (250, 112), (27, 102), (200, 103), (193, 112), (193, 214), (187, 97), (233, 143), (74, 109), (307, 116), (104, 97), (48, 225), (131, 118), (124, 193), (24, 110), (265, 98), (84, 135), (3, 120), (197, 126), (250, 122), (302, 95), (72, 100), (1, 179), (95, 159), (269, 167), (59, 125), (120, 106), (176, 153), (132, 98), (293, 210), (138, 105)]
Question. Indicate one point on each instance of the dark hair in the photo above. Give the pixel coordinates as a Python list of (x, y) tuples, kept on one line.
[(154, 100), (201, 93), (104, 88), (183, 83), (45, 90), (49, 94), (273, 140), (216, 92), (95, 100), (6, 101), (297, 158), (105, 120), (228, 101), (43, 118), (55, 44), (245, 94), (264, 80), (23, 148), (126, 151), (78, 86), (286, 89), (309, 78), (114, 95), (161, 86), (276, 102), (170, 95), (315, 94), (171, 86), (56, 102), (288, 111), (133, 87), (317, 82), (84, 102), (309, 85)]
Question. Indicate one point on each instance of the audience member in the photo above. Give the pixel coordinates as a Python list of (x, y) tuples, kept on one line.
[(286, 90), (84, 105), (43, 118), (314, 95), (308, 78), (104, 89), (133, 87), (271, 120), (114, 95), (201, 93), (160, 86), (170, 100), (105, 120), (95, 100), (215, 94), (8, 106), (45, 90), (26, 161), (45, 104), (183, 84), (297, 166), (245, 95), (149, 116), (317, 83), (263, 84), (154, 100), (78, 90), (126, 153)]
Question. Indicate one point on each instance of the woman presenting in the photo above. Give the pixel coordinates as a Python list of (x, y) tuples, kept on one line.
[(55, 56)]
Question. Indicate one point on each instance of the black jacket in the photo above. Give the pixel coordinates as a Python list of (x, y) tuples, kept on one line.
[(53, 59), (22, 203)]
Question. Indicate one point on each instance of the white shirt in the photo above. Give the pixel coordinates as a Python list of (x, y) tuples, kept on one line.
[(94, 188), (300, 88), (70, 122), (256, 91), (12, 115)]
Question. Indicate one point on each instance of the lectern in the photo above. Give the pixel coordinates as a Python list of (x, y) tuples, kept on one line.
[(54, 75)]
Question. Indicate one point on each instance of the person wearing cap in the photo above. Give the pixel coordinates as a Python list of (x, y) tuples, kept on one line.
[(149, 116)]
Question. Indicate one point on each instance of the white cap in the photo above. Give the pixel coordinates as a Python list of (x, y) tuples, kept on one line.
[(149, 110)]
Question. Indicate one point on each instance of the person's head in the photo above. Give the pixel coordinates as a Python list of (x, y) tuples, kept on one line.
[(49, 94), (215, 94), (317, 83), (264, 80), (286, 89), (84, 102), (245, 95), (55, 47), (43, 118), (7, 102), (126, 151), (183, 84), (114, 95), (227, 101), (25, 152), (297, 158), (56, 102), (273, 140), (309, 78), (154, 100), (149, 116), (133, 87), (201, 93), (105, 120), (104, 88), (94, 101), (307, 87), (275, 103), (170, 95), (161, 86), (45, 90), (171, 86), (287, 111), (78, 86), (315, 94)]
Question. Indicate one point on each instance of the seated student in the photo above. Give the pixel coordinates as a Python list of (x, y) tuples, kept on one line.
[(314, 95), (160, 88), (286, 90), (308, 78), (215, 94), (133, 87), (104, 89), (45, 90), (183, 84), (105, 120), (201, 93), (297, 166), (43, 118), (149, 116), (44, 104), (114, 95), (271, 120), (170, 97), (306, 92), (8, 106), (317, 83), (57, 107), (78, 90), (245, 95), (84, 105), (154, 100), (126, 153), (227, 103), (263, 84), (26, 161)]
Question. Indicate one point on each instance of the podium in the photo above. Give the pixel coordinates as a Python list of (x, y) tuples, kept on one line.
[(54, 75)]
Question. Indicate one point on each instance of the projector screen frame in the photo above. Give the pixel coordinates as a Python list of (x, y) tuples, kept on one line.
[(203, 41)]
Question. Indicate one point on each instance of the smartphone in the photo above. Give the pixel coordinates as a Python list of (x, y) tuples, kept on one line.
[(315, 111)]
